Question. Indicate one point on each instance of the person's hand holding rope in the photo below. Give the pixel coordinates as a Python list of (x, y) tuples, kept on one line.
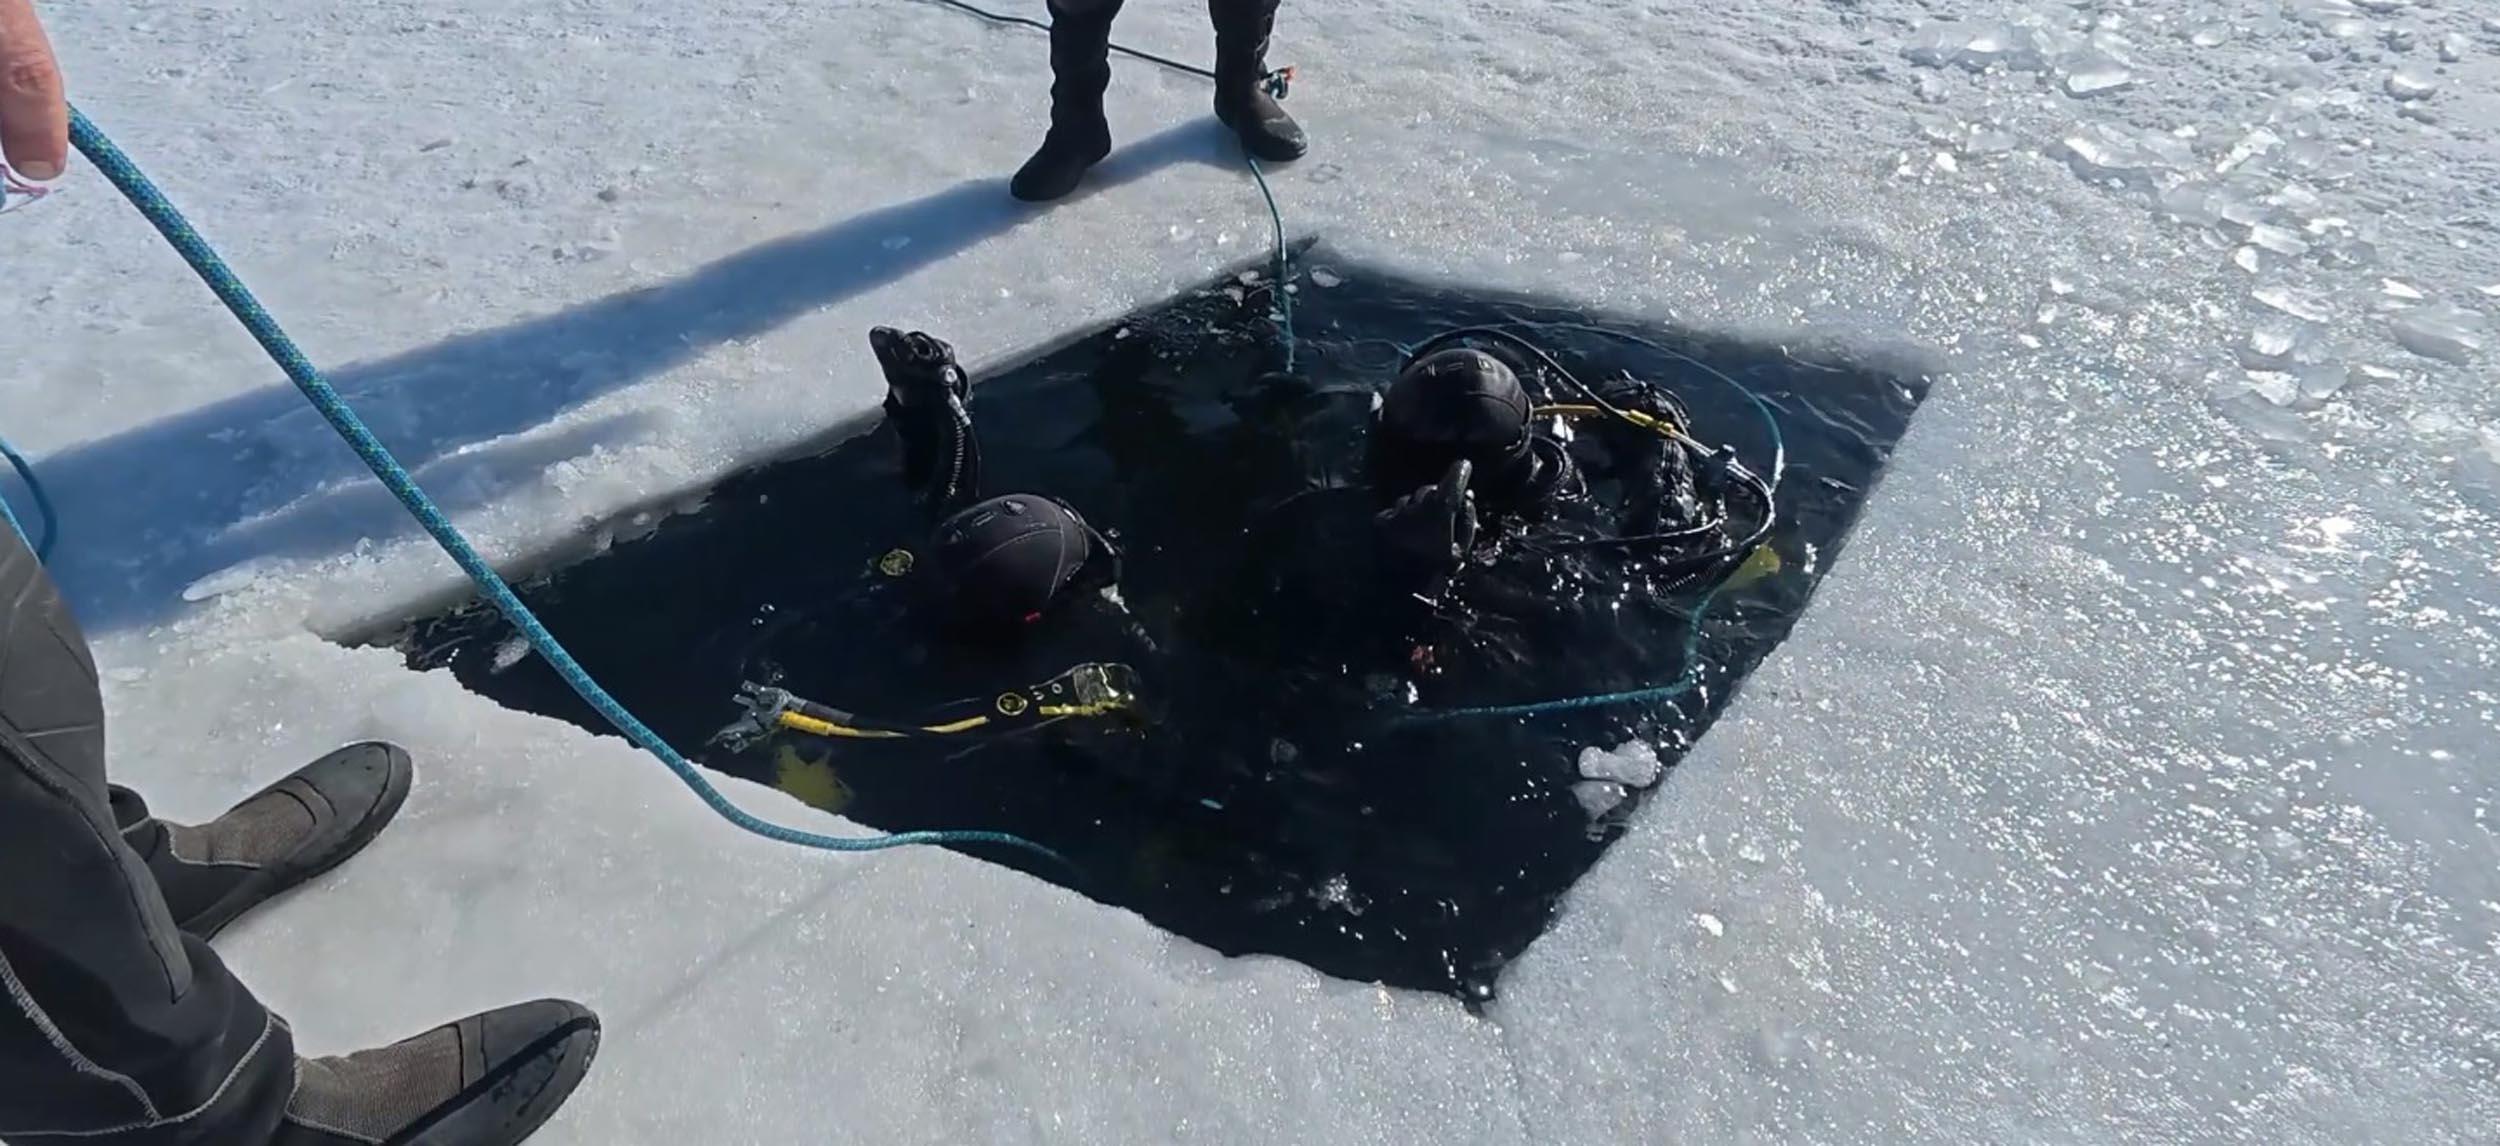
[(34, 110)]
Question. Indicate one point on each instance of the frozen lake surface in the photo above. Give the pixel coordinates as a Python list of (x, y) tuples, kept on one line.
[(2130, 778)]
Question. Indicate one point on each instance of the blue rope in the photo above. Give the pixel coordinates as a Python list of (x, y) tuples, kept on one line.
[(43, 505), (230, 290)]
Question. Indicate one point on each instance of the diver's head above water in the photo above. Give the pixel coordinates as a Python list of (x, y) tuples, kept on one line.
[(1007, 562), (1454, 405)]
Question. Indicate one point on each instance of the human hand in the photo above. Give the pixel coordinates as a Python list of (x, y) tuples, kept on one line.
[(34, 110)]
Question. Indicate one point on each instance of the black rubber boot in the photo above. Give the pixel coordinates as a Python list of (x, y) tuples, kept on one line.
[(293, 831), (1080, 68), (1242, 99), (487, 1080)]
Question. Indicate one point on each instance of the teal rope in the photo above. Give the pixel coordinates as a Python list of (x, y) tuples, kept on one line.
[(1685, 681), (1283, 311), (43, 505), (169, 222)]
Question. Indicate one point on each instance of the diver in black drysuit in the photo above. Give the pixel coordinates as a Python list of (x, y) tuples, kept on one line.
[(1362, 529)]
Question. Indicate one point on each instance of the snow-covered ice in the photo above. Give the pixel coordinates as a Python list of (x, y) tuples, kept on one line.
[(2128, 780)]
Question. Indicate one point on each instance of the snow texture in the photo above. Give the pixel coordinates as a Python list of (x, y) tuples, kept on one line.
[(2130, 778)]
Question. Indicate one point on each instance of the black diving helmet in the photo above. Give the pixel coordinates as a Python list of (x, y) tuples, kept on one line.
[(1463, 404), (1005, 563)]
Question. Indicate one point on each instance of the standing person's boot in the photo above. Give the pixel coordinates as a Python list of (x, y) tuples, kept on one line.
[(1080, 68), (1242, 100)]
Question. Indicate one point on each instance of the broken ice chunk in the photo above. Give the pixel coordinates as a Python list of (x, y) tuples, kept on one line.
[(2448, 333), (233, 578), (2412, 82), (2101, 151), (1936, 44), (2321, 381), (2091, 72), (2211, 36), (2273, 344), (508, 654), (2400, 290), (2380, 5), (2278, 240), (2452, 47), (2298, 304)]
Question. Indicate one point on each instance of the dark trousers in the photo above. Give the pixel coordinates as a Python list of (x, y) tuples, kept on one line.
[(117, 1028)]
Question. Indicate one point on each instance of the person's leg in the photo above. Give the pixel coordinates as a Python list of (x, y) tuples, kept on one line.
[(1242, 101), (289, 833), (115, 1027), (1080, 68)]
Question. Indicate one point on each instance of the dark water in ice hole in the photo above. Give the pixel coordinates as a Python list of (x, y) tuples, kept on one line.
[(1258, 820)]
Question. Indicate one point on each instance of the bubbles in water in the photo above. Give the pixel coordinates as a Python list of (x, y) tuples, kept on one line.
[(1338, 892)]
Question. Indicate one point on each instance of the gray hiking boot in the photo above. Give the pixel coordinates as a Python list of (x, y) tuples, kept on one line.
[(487, 1080), (293, 831)]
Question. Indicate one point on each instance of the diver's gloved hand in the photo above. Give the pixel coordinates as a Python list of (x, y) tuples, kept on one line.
[(1427, 534), (928, 398), (920, 369)]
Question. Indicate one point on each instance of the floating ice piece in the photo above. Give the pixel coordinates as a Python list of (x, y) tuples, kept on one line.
[(1326, 278), (2090, 71), (1635, 764), (509, 653), (2381, 6), (2299, 304), (2245, 259), (2400, 290), (1710, 923), (2400, 39), (2210, 35), (2452, 47), (2448, 333), (2412, 82), (1931, 88), (2492, 291), (1598, 797)]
